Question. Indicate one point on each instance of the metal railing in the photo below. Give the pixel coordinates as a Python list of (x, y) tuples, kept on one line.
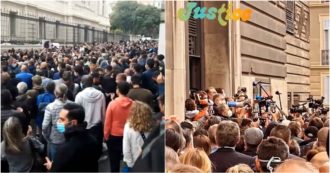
[(18, 29), (325, 57)]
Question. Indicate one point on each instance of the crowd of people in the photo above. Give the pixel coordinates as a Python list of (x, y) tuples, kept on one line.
[(63, 109), (224, 134)]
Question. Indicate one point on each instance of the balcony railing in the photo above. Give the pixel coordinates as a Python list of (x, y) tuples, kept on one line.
[(325, 57)]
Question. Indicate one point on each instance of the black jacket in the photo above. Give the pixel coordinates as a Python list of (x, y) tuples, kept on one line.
[(225, 158), (79, 153)]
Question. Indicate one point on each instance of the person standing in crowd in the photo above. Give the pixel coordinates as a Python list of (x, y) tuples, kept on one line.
[(13, 66), (25, 76), (138, 93), (283, 132), (136, 131), (147, 81), (198, 158), (42, 101), (7, 83), (225, 157), (252, 138), (8, 110), (79, 152), (270, 153), (93, 102), (116, 116), (296, 166), (49, 129), (16, 147), (310, 137)]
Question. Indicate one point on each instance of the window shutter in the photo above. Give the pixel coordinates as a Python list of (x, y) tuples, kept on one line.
[(290, 17)]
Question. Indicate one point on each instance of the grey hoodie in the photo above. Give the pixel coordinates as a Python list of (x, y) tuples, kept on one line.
[(93, 102), (52, 114)]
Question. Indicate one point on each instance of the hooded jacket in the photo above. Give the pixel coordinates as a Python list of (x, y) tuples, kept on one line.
[(116, 116), (79, 152), (93, 102)]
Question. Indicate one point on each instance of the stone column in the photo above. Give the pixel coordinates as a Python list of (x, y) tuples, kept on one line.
[(176, 59), (216, 51)]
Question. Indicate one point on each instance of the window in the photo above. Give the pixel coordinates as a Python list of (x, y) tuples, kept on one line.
[(290, 16), (326, 92), (325, 50)]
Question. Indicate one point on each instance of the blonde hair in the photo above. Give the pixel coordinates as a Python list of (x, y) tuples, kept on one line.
[(171, 157), (198, 158), (140, 118), (240, 168), (13, 135)]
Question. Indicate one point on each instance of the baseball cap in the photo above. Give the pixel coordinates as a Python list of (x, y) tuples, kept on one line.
[(311, 132), (253, 136)]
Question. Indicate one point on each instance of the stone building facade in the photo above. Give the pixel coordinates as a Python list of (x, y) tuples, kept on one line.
[(65, 21), (271, 47), (319, 50)]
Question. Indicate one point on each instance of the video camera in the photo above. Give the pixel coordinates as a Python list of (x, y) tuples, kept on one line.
[(266, 102), (315, 103), (298, 109)]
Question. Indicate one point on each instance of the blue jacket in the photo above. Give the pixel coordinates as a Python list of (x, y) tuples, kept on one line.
[(25, 77), (45, 97)]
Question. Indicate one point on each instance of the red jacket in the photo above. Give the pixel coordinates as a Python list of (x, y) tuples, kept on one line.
[(116, 116)]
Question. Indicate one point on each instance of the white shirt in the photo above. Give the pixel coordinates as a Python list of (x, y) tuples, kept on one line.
[(132, 143)]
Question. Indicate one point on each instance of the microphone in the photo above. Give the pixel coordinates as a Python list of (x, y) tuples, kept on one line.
[(255, 83), (277, 93)]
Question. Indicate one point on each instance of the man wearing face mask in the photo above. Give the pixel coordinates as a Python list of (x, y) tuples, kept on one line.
[(14, 68), (79, 152), (49, 129), (224, 112)]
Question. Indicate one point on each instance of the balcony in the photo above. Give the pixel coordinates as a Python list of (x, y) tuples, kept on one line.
[(325, 57)]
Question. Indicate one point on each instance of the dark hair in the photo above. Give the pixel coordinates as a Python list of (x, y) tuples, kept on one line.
[(269, 129), (150, 63), (137, 68), (201, 132), (246, 122), (173, 139), (87, 81), (6, 97), (203, 142), (123, 88), (50, 87), (136, 80), (160, 57), (186, 125), (76, 112), (281, 131), (79, 69), (317, 122), (272, 147), (187, 135), (190, 104), (294, 128), (67, 76)]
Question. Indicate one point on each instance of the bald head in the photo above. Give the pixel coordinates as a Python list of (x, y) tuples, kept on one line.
[(24, 68), (296, 166), (322, 137), (43, 65)]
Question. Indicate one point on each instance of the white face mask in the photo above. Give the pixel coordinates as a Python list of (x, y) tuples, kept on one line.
[(128, 79), (113, 64), (230, 113)]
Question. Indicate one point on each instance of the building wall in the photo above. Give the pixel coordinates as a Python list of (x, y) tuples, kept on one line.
[(297, 50), (318, 12), (91, 13), (262, 48), (216, 52)]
